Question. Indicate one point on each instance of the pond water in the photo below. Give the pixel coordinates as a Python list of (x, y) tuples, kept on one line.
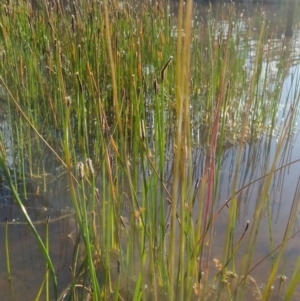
[(48, 193)]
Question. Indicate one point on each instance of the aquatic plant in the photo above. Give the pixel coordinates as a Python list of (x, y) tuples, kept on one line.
[(124, 95)]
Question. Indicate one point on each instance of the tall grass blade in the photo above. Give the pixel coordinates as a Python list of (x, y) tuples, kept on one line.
[(7, 251)]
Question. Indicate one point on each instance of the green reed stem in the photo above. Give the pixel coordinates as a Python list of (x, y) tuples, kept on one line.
[(7, 251), (39, 294), (47, 249), (88, 245), (290, 225)]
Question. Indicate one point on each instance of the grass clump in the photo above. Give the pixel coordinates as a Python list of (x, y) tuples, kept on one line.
[(124, 95)]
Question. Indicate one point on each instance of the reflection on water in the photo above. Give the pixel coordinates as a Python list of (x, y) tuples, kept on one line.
[(27, 265), (48, 194)]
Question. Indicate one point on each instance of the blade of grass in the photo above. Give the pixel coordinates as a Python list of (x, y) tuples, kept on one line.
[(7, 251)]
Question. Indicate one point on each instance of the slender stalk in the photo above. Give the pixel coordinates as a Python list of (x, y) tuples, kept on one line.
[(7, 251), (47, 249)]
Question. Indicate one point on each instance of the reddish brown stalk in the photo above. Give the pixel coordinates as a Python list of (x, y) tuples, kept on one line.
[(210, 160)]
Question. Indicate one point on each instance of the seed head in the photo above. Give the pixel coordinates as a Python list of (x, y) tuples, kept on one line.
[(90, 166), (80, 170), (97, 194), (142, 130), (68, 101), (156, 86), (162, 73)]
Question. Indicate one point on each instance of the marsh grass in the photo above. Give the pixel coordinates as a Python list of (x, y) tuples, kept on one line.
[(7, 252), (122, 95)]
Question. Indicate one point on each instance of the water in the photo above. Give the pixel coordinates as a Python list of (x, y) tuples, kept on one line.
[(48, 195), (27, 265)]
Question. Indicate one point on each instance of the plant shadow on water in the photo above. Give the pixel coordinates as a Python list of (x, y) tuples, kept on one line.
[(193, 187)]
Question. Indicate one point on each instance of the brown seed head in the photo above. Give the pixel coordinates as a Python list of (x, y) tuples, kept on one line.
[(80, 167), (90, 166), (68, 101)]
